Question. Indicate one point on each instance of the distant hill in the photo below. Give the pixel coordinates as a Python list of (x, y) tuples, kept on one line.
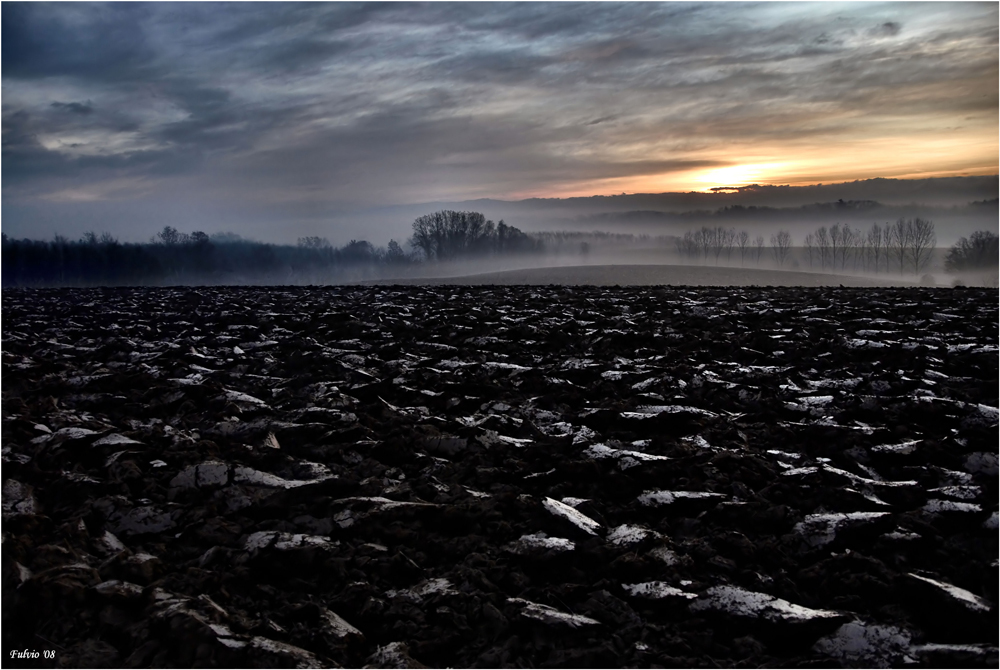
[(957, 205), (938, 192)]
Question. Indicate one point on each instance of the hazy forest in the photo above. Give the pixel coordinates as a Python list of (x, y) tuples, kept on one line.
[(905, 248)]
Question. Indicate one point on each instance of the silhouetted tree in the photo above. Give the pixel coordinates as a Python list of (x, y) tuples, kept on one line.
[(686, 246), (717, 242), (860, 250), (394, 254), (979, 250), (743, 242), (88, 261), (876, 245), (357, 252), (781, 245), (823, 247), (836, 245), (200, 251), (842, 240), (922, 241), (897, 242), (314, 242), (758, 248), (810, 244), (729, 242), (850, 249), (446, 235), (704, 239), (169, 235), (910, 242)]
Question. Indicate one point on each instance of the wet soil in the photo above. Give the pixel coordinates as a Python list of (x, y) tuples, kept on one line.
[(500, 477)]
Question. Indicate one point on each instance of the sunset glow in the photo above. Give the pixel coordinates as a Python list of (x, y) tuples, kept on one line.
[(740, 175), (300, 113)]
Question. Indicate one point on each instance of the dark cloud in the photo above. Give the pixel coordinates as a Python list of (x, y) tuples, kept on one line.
[(574, 21), (508, 67), (306, 53), (603, 119), (26, 159), (84, 40), (308, 107), (75, 107), (887, 29), (272, 22)]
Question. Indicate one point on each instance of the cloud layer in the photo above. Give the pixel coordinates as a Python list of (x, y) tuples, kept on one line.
[(290, 113)]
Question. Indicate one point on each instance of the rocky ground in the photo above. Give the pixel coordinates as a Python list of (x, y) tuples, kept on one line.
[(500, 476)]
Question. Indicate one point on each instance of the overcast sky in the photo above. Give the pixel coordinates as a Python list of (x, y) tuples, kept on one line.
[(271, 117)]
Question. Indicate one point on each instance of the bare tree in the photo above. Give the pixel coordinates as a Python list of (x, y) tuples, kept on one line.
[(836, 243), (743, 242), (841, 243), (446, 234), (703, 237), (823, 246), (876, 245), (850, 240), (729, 241), (693, 242), (428, 234), (715, 241), (922, 240), (314, 242), (758, 248), (861, 250), (686, 247), (169, 235), (394, 254), (811, 250), (781, 245), (898, 243), (980, 250)]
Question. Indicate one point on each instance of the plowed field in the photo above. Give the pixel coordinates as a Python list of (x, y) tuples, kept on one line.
[(500, 477)]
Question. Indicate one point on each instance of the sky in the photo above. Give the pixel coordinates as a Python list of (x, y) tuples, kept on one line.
[(280, 119)]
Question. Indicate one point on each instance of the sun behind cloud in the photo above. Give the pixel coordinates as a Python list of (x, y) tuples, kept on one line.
[(737, 175)]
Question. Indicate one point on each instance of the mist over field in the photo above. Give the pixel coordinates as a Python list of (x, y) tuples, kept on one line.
[(347, 121), (735, 228), (959, 206), (734, 246)]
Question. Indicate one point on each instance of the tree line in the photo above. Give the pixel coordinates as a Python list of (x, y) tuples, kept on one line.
[(449, 235), (173, 256), (905, 245), (977, 252), (709, 244)]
